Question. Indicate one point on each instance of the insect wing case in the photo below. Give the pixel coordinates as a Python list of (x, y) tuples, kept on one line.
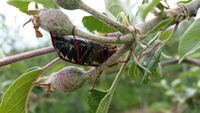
[(79, 51)]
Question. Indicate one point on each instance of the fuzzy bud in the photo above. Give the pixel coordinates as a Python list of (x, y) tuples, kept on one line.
[(55, 21), (69, 4), (67, 79)]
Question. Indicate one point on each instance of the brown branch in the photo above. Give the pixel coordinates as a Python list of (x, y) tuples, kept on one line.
[(193, 7), (195, 62), (184, 10), (26, 55)]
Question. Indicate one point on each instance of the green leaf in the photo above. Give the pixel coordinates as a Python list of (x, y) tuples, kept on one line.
[(133, 70), (183, 1), (161, 25), (93, 24), (105, 103), (145, 1), (15, 98), (183, 26), (136, 73), (152, 65), (148, 7), (166, 34), (48, 3), (94, 99), (19, 66), (22, 5), (114, 7), (190, 41)]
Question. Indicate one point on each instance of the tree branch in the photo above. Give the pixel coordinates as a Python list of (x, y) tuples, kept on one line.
[(26, 55), (111, 40), (104, 18), (195, 62), (184, 10), (193, 7), (190, 8)]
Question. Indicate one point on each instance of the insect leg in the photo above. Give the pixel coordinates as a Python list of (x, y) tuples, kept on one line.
[(77, 47)]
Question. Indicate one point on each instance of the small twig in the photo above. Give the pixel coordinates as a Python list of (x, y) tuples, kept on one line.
[(115, 34), (26, 55), (117, 78), (116, 81), (50, 64), (184, 10), (175, 61), (111, 40), (171, 35), (45, 68), (192, 7), (104, 18)]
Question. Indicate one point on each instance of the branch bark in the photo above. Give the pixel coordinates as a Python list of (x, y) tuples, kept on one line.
[(104, 18), (26, 55), (193, 7), (111, 40), (175, 61)]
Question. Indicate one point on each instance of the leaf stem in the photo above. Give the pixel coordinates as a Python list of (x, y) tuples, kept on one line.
[(114, 86), (195, 62), (119, 74)]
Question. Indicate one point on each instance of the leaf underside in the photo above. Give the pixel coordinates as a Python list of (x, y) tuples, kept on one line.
[(15, 97)]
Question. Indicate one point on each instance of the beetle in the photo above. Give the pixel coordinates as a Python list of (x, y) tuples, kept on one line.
[(83, 52)]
